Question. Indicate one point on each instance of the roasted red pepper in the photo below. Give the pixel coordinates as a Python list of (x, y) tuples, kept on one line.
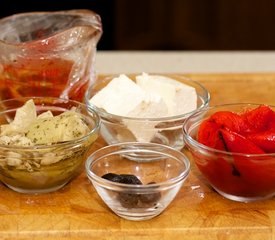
[(256, 170), (209, 135), (248, 136), (236, 143), (256, 125), (265, 140), (259, 118), (221, 173), (230, 120), (271, 124)]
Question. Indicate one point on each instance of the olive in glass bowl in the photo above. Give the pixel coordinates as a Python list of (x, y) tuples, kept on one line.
[(137, 181)]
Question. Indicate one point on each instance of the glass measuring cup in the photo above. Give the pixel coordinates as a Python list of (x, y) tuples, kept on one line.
[(48, 53)]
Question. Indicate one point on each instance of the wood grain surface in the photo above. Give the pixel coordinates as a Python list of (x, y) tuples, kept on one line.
[(198, 212)]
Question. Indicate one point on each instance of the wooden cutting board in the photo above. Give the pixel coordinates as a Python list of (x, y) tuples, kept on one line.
[(76, 211)]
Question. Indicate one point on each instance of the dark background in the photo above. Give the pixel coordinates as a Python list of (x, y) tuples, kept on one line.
[(172, 24)]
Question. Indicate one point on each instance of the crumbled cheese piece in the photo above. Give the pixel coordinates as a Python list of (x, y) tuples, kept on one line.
[(13, 159), (50, 158), (16, 140)]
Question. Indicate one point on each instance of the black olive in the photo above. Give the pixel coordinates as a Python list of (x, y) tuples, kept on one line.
[(122, 178), (133, 200), (150, 198), (128, 200), (112, 177), (130, 179)]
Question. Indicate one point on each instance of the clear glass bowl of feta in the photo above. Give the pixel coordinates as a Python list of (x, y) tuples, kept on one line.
[(43, 142), (145, 108)]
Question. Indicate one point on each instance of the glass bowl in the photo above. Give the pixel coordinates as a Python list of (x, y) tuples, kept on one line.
[(159, 170), (236, 176), (165, 130), (45, 167)]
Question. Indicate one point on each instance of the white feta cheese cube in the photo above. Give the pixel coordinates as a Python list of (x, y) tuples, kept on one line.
[(119, 97), (179, 98), (152, 107)]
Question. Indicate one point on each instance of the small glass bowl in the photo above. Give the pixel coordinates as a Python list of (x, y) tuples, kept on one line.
[(161, 169), (236, 176), (30, 175), (166, 130)]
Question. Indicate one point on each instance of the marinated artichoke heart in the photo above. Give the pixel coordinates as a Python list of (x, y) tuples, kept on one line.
[(28, 129), (64, 127), (24, 116)]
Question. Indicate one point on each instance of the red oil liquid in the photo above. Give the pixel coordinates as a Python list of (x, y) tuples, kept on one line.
[(42, 77)]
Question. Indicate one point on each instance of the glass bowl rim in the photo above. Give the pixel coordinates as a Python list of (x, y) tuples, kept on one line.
[(95, 129), (160, 185), (195, 144), (105, 114)]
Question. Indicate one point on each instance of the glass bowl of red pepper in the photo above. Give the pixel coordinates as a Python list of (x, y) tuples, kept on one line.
[(233, 146)]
